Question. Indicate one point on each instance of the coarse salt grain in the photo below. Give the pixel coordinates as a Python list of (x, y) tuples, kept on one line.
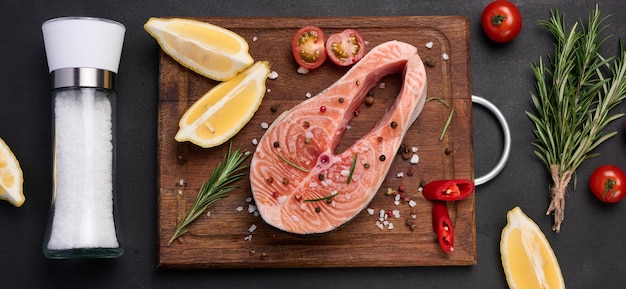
[(390, 226), (400, 175), (412, 203), (251, 208), (414, 149), (429, 44), (414, 159), (248, 238), (268, 90), (396, 214), (302, 70), (445, 56), (382, 85), (239, 209), (370, 211), (308, 95), (273, 75), (254, 38), (252, 228), (380, 225), (83, 210), (248, 199), (255, 141), (208, 214), (264, 125)]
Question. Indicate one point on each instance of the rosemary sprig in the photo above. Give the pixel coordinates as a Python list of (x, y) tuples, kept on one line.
[(217, 187), (573, 98)]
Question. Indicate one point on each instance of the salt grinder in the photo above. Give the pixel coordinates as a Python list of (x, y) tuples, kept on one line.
[(83, 58)]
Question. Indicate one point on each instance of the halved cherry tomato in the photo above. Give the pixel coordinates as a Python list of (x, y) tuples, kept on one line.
[(607, 183), (501, 21), (345, 48), (307, 47)]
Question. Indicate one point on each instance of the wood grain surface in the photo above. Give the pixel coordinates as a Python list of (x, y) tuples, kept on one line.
[(224, 240)]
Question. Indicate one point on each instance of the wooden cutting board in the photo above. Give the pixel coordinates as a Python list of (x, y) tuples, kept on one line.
[(225, 239)]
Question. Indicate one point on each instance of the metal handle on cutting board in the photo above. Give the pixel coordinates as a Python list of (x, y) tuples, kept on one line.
[(507, 140)]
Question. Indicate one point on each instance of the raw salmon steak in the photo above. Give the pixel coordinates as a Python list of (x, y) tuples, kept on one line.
[(299, 184)]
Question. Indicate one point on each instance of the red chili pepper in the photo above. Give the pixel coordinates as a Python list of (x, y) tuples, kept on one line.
[(443, 226), (448, 190)]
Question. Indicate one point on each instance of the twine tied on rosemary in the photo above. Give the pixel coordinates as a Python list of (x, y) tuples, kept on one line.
[(574, 96)]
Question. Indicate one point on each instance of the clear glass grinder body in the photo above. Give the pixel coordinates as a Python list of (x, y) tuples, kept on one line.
[(83, 58)]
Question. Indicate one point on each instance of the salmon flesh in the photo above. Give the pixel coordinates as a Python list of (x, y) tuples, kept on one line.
[(299, 184)]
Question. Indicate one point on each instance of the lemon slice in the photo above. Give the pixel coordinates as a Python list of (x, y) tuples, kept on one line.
[(10, 177), (225, 109), (527, 258), (207, 49)]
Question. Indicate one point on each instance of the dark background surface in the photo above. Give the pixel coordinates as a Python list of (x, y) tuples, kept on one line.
[(589, 248)]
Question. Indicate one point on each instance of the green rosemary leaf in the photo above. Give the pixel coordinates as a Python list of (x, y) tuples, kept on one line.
[(291, 163), (439, 99), (217, 187), (445, 127), (352, 168), (322, 198)]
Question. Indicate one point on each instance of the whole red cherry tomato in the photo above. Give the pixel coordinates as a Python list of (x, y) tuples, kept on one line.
[(307, 47), (345, 48), (607, 183), (501, 21)]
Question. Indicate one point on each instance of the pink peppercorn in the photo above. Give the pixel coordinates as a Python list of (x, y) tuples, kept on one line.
[(322, 108)]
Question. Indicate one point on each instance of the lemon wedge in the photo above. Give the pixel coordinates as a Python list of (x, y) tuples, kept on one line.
[(207, 49), (527, 258), (225, 109), (11, 179)]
